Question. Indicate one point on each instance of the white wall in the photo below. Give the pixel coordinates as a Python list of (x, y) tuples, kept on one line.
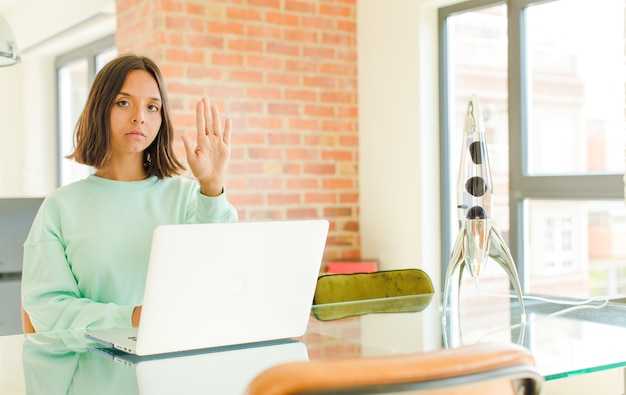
[(398, 133), (43, 29)]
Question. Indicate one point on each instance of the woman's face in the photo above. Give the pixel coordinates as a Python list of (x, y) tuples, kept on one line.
[(136, 114)]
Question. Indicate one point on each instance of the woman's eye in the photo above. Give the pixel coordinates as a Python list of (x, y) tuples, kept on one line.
[(122, 103), (153, 107)]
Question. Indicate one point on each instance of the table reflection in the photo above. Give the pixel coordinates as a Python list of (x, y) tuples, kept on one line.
[(66, 363)]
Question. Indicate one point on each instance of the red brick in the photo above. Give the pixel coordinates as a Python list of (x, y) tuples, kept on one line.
[(254, 77), (266, 215), (263, 93), (320, 82), (301, 95), (296, 213), (197, 9), (283, 109), (284, 79), (304, 124), (257, 183), (265, 3), (195, 73), (189, 88), (319, 169), (338, 68), (265, 32), (265, 153), (245, 45), (285, 138), (336, 10), (349, 197), (171, 6), (338, 155), (184, 24), (190, 56), (217, 27), (348, 141), (248, 199), (284, 198), (348, 112), (317, 22), (301, 65), (303, 183), (265, 123), (344, 40), (301, 35), (204, 41), (247, 14), (264, 62), (338, 183), (246, 107), (246, 168), (317, 52), (279, 18), (338, 125), (282, 48), (346, 26), (301, 6), (320, 198), (301, 153), (227, 59), (337, 212), (319, 111)]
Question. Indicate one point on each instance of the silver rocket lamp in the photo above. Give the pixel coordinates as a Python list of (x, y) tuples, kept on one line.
[(477, 240)]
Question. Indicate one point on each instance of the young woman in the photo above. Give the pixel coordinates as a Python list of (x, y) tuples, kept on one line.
[(86, 256)]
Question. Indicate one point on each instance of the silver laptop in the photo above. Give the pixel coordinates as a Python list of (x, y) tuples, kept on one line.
[(213, 285)]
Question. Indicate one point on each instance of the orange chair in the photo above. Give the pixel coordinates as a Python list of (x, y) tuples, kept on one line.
[(27, 325), (485, 369)]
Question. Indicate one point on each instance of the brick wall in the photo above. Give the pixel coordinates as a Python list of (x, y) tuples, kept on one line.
[(285, 72)]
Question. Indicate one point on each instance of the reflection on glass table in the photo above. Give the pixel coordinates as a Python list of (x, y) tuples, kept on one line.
[(567, 337), (66, 363)]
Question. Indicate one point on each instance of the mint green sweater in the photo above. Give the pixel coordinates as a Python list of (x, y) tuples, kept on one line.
[(86, 256)]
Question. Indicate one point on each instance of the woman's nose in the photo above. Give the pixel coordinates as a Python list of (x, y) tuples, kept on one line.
[(138, 116)]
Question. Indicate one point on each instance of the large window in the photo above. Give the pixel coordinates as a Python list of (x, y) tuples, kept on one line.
[(75, 73), (552, 95)]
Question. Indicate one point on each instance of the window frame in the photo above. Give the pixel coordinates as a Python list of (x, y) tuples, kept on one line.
[(90, 52), (522, 185)]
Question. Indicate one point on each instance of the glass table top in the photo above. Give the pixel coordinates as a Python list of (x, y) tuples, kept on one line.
[(567, 338)]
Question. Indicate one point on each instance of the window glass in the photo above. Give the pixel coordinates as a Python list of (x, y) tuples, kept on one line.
[(576, 247), (478, 48), (73, 85), (75, 73), (576, 87), (104, 57), (566, 121)]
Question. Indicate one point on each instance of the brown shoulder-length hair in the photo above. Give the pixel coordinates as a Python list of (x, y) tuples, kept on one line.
[(92, 138)]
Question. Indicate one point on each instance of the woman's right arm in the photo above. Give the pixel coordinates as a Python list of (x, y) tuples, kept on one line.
[(50, 292)]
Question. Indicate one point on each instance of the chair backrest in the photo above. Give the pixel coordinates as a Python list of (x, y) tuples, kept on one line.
[(337, 288), (487, 368)]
